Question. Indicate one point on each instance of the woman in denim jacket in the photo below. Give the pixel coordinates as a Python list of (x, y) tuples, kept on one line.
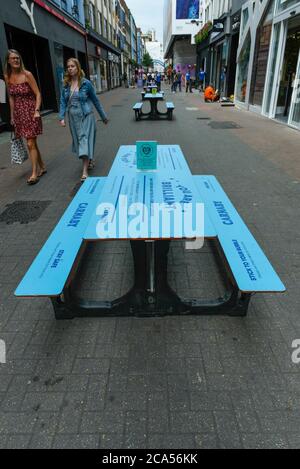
[(77, 98)]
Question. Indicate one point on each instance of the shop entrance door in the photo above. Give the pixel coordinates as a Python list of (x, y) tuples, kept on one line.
[(287, 71), (294, 117), (36, 56)]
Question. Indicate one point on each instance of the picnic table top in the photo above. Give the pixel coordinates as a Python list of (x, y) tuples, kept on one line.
[(154, 96), (126, 208)]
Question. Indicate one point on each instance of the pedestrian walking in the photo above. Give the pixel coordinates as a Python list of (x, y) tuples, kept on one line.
[(25, 103), (201, 77), (188, 82), (174, 81), (158, 81), (125, 80), (77, 97), (179, 79)]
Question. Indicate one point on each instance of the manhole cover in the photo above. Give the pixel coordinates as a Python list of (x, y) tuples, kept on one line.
[(224, 125), (203, 118), (24, 211)]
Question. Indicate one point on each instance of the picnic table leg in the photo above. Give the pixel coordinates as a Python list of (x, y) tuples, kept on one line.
[(151, 289)]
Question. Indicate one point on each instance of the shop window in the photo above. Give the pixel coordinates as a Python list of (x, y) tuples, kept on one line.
[(284, 4), (92, 15), (245, 18), (99, 22), (75, 10), (261, 57), (273, 59), (243, 65), (64, 5)]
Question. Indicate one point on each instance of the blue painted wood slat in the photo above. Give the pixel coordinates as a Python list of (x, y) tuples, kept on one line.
[(49, 271), (250, 266)]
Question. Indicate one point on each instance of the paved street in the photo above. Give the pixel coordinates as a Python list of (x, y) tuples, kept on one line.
[(173, 382)]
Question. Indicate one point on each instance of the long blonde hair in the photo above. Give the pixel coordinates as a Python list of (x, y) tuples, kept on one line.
[(7, 66), (67, 78)]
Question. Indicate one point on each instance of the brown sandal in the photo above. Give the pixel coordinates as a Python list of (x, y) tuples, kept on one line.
[(32, 181)]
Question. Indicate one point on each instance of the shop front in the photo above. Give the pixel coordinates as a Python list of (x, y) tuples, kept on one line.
[(219, 47), (282, 98), (219, 65), (268, 65), (114, 69), (104, 63), (45, 42), (204, 59), (98, 68)]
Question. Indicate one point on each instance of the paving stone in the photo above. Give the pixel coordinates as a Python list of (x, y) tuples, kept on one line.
[(192, 422), (76, 441), (171, 382), (163, 441), (102, 422), (18, 442), (264, 441), (90, 366)]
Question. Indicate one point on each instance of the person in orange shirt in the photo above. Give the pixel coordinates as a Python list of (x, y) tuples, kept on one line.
[(210, 95)]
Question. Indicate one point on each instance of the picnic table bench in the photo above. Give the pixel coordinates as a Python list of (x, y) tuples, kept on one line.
[(154, 113), (102, 210)]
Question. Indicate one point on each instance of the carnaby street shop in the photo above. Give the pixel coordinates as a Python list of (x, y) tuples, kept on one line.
[(46, 38)]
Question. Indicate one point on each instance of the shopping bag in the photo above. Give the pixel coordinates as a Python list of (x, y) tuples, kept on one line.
[(18, 152)]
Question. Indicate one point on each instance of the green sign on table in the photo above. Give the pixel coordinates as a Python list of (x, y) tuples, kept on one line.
[(146, 155)]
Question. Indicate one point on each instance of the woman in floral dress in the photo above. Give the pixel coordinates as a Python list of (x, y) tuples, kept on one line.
[(25, 103)]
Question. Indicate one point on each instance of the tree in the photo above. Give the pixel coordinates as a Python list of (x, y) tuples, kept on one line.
[(147, 60)]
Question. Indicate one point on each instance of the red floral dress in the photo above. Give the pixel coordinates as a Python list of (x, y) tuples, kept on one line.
[(24, 106)]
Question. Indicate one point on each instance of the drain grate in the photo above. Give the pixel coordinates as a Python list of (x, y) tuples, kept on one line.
[(203, 118), (224, 125), (24, 211)]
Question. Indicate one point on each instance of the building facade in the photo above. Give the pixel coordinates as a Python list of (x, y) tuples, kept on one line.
[(217, 42), (140, 47), (268, 60), (104, 55), (181, 23), (155, 50), (46, 33)]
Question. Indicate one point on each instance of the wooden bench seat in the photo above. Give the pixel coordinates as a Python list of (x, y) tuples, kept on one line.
[(49, 272), (170, 108), (137, 109), (249, 265)]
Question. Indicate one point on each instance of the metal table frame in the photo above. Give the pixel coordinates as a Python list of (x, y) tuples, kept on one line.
[(151, 294)]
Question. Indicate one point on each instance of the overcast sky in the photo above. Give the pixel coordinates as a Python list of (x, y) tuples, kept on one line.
[(148, 14)]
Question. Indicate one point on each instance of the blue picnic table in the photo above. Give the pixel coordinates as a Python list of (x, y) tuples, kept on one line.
[(150, 209)]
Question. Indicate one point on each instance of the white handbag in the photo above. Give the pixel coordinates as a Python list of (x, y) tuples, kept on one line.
[(18, 150)]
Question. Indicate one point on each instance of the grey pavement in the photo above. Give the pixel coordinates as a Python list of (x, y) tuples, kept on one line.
[(172, 382)]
